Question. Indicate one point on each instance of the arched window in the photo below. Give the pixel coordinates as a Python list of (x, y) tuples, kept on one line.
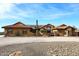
[(48, 30)]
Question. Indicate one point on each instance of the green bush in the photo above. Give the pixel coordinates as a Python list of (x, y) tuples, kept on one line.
[(1, 33)]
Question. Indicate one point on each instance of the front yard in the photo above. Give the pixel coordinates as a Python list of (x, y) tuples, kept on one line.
[(41, 49), (39, 46)]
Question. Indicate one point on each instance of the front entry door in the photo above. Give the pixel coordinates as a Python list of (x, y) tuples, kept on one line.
[(18, 33), (66, 33)]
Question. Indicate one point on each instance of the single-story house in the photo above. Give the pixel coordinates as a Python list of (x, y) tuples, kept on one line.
[(64, 30), (18, 29)]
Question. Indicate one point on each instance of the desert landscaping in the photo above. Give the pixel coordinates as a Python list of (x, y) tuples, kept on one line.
[(39, 46), (39, 29)]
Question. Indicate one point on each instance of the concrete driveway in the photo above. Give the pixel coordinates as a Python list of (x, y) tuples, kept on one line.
[(16, 40)]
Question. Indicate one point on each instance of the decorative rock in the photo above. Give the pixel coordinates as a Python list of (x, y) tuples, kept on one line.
[(15, 53)]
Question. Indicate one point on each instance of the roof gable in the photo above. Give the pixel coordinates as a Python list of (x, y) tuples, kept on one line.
[(71, 27), (17, 25), (63, 25), (48, 25)]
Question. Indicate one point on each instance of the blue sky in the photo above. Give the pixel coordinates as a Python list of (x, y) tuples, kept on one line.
[(28, 13)]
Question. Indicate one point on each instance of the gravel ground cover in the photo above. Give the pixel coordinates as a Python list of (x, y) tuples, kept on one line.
[(41, 49)]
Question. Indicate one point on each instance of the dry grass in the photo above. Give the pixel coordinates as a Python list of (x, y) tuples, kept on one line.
[(43, 49)]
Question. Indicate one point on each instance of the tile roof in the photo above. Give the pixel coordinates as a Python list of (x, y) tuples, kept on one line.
[(48, 25), (17, 25), (63, 26)]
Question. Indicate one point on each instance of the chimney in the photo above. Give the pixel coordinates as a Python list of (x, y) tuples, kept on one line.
[(37, 28), (36, 24)]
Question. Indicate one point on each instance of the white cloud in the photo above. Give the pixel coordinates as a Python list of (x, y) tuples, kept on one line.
[(57, 15), (5, 8), (10, 10)]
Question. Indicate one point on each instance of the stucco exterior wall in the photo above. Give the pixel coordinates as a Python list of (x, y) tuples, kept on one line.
[(18, 32)]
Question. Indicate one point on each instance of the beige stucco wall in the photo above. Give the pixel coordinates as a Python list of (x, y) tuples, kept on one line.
[(14, 32)]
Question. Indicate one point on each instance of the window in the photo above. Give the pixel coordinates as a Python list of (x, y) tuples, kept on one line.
[(48, 30), (10, 30), (24, 31), (33, 30)]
